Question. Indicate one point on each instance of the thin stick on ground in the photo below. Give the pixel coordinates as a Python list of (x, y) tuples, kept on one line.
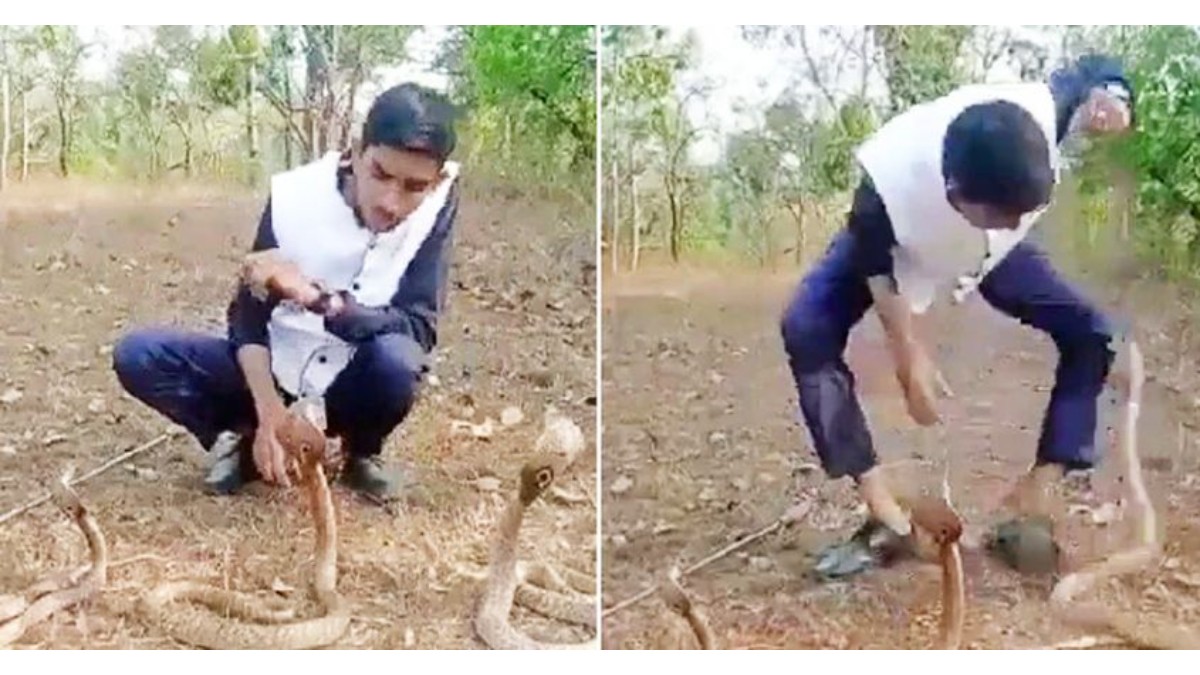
[(125, 457), (791, 516)]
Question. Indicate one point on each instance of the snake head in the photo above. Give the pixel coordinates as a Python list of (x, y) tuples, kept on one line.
[(938, 519), (537, 475), (304, 442), (64, 496)]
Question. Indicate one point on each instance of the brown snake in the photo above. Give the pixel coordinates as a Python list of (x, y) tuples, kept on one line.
[(1128, 379), (503, 582), (60, 591), (169, 605)]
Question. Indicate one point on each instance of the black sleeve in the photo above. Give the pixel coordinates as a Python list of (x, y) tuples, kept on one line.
[(420, 295), (247, 316), (872, 230)]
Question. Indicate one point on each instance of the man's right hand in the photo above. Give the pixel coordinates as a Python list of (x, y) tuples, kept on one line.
[(921, 383), (269, 456)]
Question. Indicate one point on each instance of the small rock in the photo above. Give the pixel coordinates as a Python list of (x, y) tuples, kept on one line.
[(621, 485), (487, 484), (766, 478), (433, 381), (619, 540), (715, 377), (101, 289), (717, 437), (511, 416), (740, 484), (1171, 563), (663, 528), (11, 395), (96, 406), (760, 563), (1106, 514), (282, 588), (145, 474), (410, 638), (8, 450), (806, 468), (708, 494), (104, 350)]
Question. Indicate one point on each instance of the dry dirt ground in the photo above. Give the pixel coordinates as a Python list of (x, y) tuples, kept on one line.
[(81, 264), (702, 445)]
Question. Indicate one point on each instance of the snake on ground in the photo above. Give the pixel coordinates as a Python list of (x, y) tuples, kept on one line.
[(1128, 379), (61, 591), (505, 581), (170, 606)]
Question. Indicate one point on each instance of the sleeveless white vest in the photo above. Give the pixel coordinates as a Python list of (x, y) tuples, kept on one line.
[(317, 230), (939, 250)]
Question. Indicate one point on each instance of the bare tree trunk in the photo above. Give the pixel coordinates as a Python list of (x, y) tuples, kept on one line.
[(252, 121), (6, 139), (614, 240), (24, 135), (64, 137), (287, 122), (798, 214), (637, 224)]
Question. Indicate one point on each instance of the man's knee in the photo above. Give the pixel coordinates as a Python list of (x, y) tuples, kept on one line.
[(397, 364), (135, 357)]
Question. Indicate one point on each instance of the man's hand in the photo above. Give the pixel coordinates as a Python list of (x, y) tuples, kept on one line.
[(921, 382), (269, 456), (919, 378), (267, 273)]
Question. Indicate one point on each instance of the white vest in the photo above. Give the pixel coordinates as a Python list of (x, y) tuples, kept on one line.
[(939, 250), (317, 230)]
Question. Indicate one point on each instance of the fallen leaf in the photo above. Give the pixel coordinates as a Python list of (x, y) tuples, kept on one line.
[(11, 395), (487, 484), (511, 416), (1189, 580), (281, 588), (621, 485), (52, 438)]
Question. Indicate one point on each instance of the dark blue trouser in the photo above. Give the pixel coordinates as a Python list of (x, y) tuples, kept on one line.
[(833, 297), (195, 381)]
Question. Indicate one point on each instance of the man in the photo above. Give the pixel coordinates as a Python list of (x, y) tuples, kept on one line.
[(360, 243), (951, 189)]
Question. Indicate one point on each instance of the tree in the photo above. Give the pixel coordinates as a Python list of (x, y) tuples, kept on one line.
[(61, 53)]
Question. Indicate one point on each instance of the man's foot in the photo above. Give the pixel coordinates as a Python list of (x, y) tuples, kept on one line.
[(233, 464), (872, 545), (372, 477)]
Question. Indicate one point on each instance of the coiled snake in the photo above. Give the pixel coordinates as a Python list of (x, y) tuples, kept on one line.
[(170, 606), (60, 591)]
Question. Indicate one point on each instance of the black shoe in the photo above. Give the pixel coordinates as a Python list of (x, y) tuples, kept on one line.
[(233, 464), (373, 478)]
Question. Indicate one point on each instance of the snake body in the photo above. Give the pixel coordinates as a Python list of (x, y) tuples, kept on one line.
[(1128, 379), (60, 591), (171, 607), (502, 582)]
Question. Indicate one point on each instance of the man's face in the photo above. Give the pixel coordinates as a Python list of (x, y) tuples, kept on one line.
[(984, 216), (390, 184), (1102, 113)]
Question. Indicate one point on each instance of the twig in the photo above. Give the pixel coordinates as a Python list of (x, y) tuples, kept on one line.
[(91, 474), (784, 520), (1086, 642)]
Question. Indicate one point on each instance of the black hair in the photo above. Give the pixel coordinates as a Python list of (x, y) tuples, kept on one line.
[(996, 153), (1071, 84), (414, 118)]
